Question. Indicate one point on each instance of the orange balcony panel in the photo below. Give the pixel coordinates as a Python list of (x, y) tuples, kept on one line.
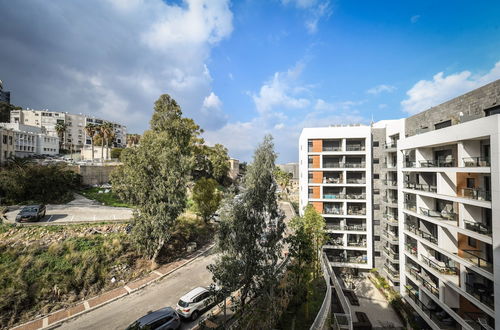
[(317, 177), (316, 192), (318, 206), (315, 163)]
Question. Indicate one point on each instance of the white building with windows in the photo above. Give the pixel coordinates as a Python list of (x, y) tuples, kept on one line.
[(30, 140), (335, 177)]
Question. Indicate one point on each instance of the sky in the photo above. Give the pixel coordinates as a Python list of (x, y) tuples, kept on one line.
[(243, 69)]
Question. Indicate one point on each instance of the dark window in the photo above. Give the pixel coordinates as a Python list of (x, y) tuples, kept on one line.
[(376, 191), (375, 143), (376, 222), (375, 161), (5, 139), (376, 175), (472, 242), (376, 206), (492, 111), (160, 322), (376, 238), (471, 183), (443, 124), (377, 253)]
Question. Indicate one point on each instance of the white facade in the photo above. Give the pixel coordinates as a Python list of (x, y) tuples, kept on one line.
[(335, 177), (30, 140), (449, 200)]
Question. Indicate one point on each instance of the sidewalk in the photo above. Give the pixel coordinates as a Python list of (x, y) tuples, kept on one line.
[(53, 319)]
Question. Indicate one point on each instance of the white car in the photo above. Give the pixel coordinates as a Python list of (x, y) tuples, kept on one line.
[(194, 302)]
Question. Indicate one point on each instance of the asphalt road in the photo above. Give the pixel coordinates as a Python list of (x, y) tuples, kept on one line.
[(122, 312)]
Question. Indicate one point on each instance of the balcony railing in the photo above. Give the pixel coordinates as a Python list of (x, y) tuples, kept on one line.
[(410, 206), (390, 145), (481, 292), (333, 227), (356, 211), (391, 183), (355, 227), (336, 258), (354, 148), (477, 227), (357, 244), (440, 318), (333, 211), (390, 217), (412, 249), (390, 200), (440, 266), (443, 214), (424, 235), (357, 260), (438, 163), (356, 196), (471, 256), (410, 163), (332, 148), (356, 181), (479, 194), (476, 162), (420, 186), (332, 165), (334, 196), (392, 272), (390, 235), (428, 285), (333, 180), (391, 253), (354, 165)]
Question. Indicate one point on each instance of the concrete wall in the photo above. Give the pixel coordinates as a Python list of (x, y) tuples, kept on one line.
[(378, 134), (94, 174), (461, 109)]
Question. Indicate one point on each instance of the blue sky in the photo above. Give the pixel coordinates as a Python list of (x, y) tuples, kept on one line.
[(242, 69)]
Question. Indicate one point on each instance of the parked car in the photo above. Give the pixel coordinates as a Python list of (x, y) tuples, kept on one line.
[(194, 302), (31, 213), (162, 319)]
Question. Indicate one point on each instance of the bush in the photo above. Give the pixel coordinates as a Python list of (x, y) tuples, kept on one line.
[(116, 153), (22, 182)]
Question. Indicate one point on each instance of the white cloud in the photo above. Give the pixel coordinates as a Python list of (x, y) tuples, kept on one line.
[(114, 58), (315, 10), (282, 91), (428, 93), (212, 101), (415, 18), (380, 89)]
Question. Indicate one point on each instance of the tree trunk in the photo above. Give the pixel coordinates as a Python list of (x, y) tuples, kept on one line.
[(161, 242), (92, 145), (102, 150), (107, 149)]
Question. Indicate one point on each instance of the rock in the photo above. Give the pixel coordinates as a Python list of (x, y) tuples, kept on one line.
[(191, 247)]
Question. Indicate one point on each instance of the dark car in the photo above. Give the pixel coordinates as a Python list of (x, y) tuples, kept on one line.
[(162, 319), (31, 213)]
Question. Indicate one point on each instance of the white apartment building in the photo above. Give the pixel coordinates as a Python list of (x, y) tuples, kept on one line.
[(30, 140), (75, 137), (335, 177), (7, 148)]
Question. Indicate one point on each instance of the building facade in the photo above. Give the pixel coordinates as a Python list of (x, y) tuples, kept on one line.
[(7, 148), (435, 193), (31, 140), (75, 137), (335, 177)]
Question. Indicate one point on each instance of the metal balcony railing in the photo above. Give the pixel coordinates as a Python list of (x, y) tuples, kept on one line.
[(334, 196), (356, 211), (356, 181), (420, 186), (393, 273), (410, 206), (357, 244), (354, 165), (478, 227), (481, 292), (355, 227), (443, 214), (333, 211), (332, 165), (356, 196), (391, 183), (363, 259), (333, 227), (410, 163), (478, 194), (441, 319), (354, 147), (471, 256), (412, 249), (428, 237), (332, 148), (476, 162), (427, 284), (333, 180), (390, 145), (391, 253), (438, 163), (440, 266)]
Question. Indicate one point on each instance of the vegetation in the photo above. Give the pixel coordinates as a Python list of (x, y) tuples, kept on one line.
[(251, 233), (206, 198), (211, 162), (24, 182), (5, 109), (116, 153), (283, 179), (106, 198), (90, 130), (155, 174), (60, 128)]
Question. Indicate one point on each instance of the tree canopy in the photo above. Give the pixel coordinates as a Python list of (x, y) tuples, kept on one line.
[(206, 197)]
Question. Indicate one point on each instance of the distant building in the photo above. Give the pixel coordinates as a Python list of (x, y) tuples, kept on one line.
[(234, 168), (31, 140), (6, 144), (290, 168), (75, 137), (4, 95)]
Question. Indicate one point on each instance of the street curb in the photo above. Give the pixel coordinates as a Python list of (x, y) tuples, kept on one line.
[(43, 322)]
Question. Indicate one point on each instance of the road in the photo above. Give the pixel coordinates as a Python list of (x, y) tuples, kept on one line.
[(122, 312)]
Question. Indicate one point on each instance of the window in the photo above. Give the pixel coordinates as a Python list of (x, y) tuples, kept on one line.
[(376, 175), (160, 322), (443, 124), (492, 111), (5, 139), (376, 238), (10, 140), (376, 206), (375, 160), (472, 242), (376, 222), (375, 143), (376, 191), (376, 253), (471, 183)]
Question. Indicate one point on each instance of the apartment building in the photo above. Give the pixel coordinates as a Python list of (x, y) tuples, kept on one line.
[(6, 144), (335, 177), (75, 137), (30, 140), (432, 200)]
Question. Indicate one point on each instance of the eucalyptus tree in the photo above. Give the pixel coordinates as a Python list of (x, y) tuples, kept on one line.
[(155, 174), (250, 239)]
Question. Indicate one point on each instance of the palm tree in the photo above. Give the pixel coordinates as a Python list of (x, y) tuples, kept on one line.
[(100, 134), (108, 132), (133, 139), (61, 130), (90, 130)]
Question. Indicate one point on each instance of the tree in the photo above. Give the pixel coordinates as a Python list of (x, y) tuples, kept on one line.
[(155, 174), (61, 132), (133, 139), (100, 137), (219, 160), (5, 109), (251, 232), (108, 132), (206, 197), (283, 179), (116, 153), (90, 130)]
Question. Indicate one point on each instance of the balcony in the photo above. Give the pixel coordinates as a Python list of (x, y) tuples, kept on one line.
[(443, 214), (362, 259), (355, 196), (390, 200), (390, 183), (354, 147), (356, 211), (354, 165), (412, 249), (435, 313), (477, 194), (424, 235), (440, 266), (332, 148), (391, 253), (392, 272), (335, 180), (355, 227), (410, 164), (333, 211), (473, 257), (330, 226), (449, 162), (390, 145), (420, 186), (356, 181), (410, 206), (334, 196), (390, 235), (361, 243), (476, 162), (427, 283), (478, 227), (332, 165), (335, 240), (482, 292)]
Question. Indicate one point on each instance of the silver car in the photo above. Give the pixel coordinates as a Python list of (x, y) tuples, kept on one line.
[(194, 302)]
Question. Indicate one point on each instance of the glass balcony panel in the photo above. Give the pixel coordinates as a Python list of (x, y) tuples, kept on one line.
[(476, 161)]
